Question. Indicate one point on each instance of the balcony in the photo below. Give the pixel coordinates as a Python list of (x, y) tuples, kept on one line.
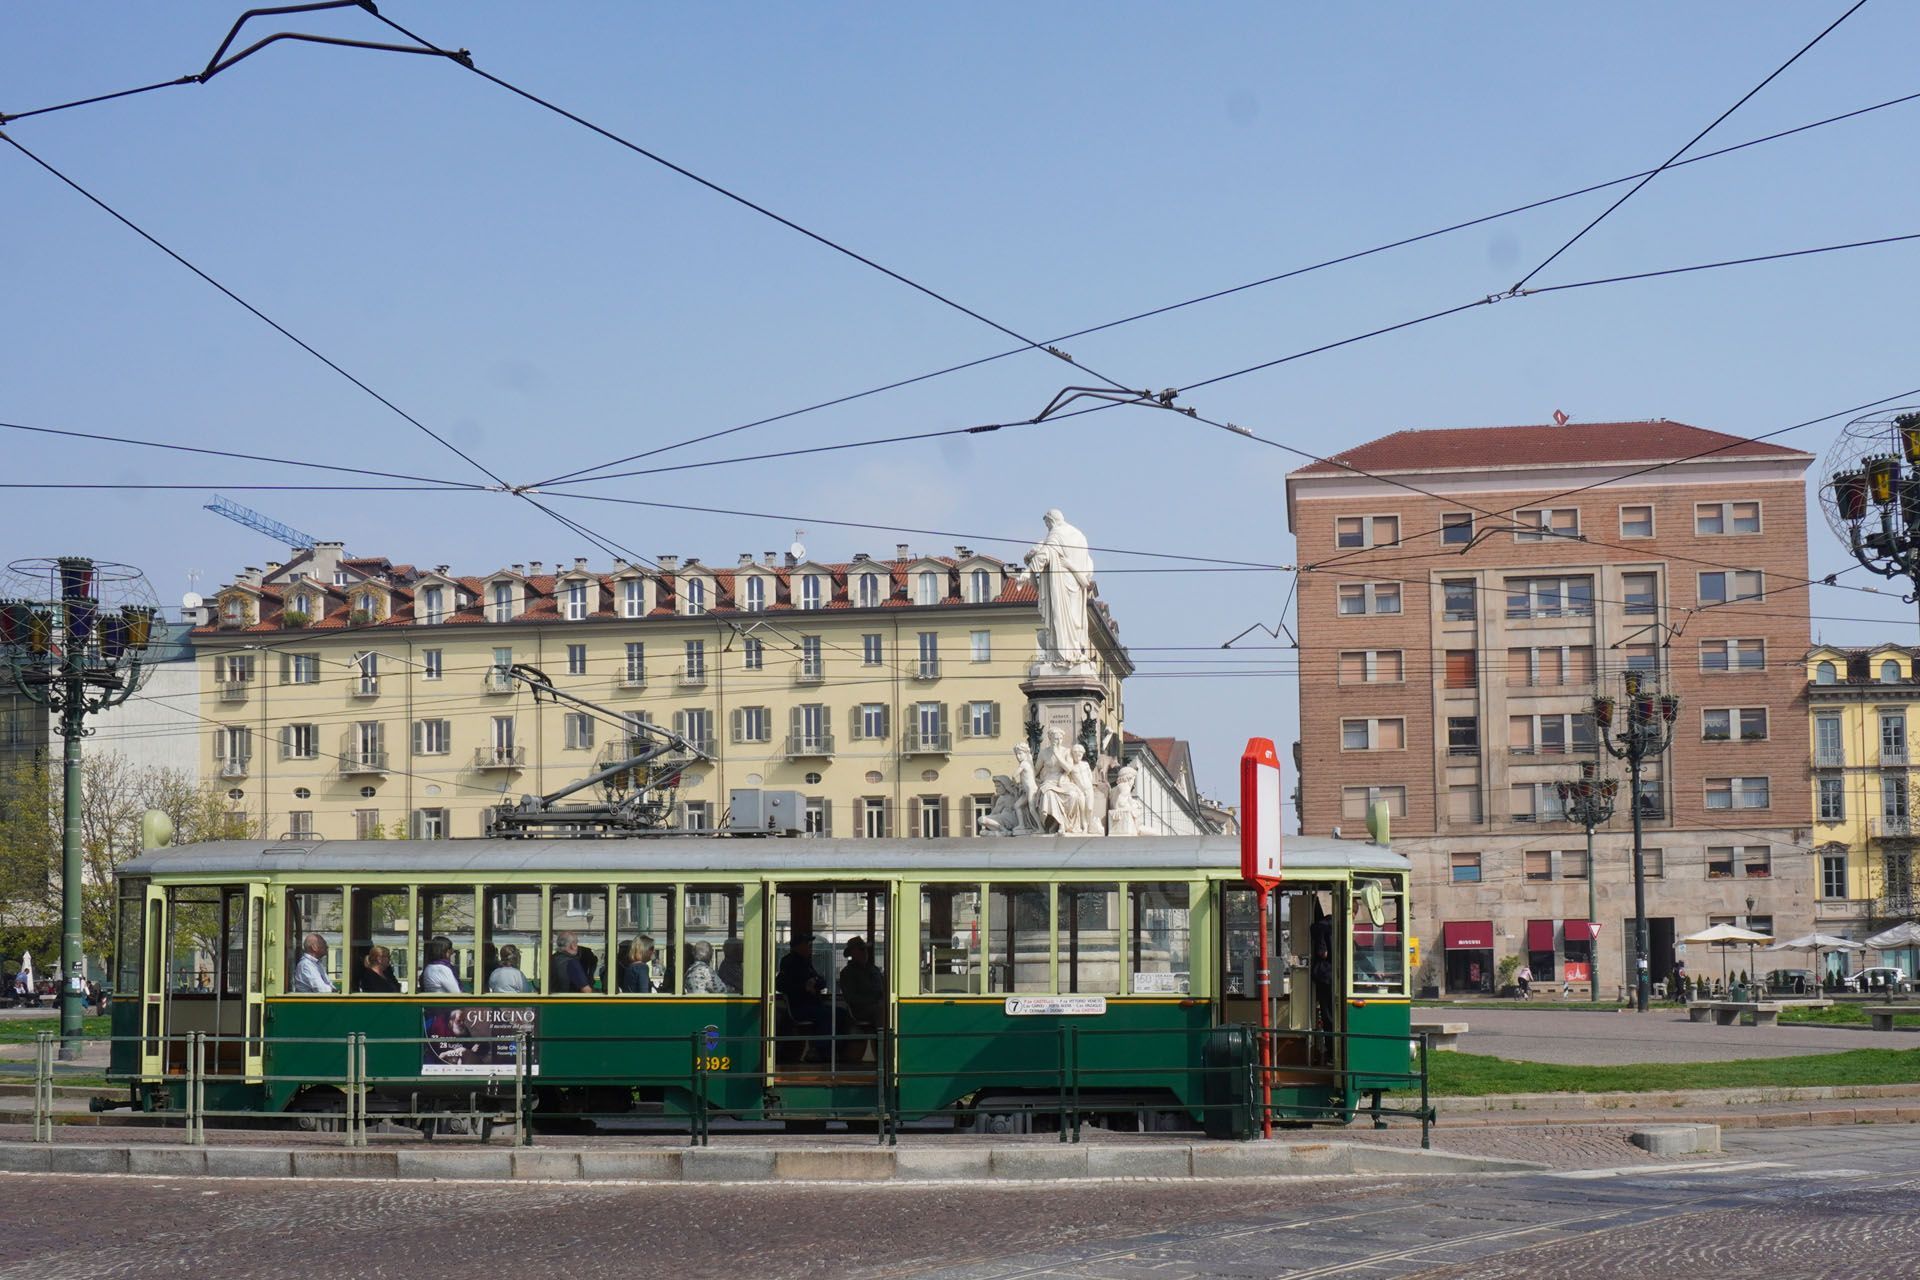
[(691, 677), (801, 746), (705, 746), (1463, 753), (1885, 828), (233, 691), (1840, 908), (810, 673), (1830, 757), (929, 669), (233, 770), (1896, 904), (1893, 756), (486, 758), (915, 743), (632, 680), (365, 688), (355, 764), (497, 680)]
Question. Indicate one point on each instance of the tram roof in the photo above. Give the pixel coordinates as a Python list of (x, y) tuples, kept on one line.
[(475, 857)]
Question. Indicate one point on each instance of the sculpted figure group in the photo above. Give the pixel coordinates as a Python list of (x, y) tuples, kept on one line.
[(1058, 795)]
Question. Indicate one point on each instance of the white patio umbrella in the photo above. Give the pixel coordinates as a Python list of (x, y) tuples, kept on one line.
[(1816, 943), (1725, 935), (1906, 934)]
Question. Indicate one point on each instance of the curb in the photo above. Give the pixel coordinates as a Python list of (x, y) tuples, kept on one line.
[(1668, 1100), (757, 1164)]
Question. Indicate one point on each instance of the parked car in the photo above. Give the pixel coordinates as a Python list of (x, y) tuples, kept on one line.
[(1882, 978), (1797, 981)]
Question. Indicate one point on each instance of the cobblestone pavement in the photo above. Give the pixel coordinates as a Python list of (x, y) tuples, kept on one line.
[(1777, 1206), (1663, 1035)]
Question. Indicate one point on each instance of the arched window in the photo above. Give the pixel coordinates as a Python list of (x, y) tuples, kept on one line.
[(869, 591), (1824, 673), (756, 598), (980, 586), (1889, 672), (432, 601), (233, 610), (502, 602), (810, 591), (696, 595), (930, 591)]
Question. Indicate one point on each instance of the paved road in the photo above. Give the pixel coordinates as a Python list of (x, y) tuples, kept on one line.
[(1549, 1035), (1779, 1206)]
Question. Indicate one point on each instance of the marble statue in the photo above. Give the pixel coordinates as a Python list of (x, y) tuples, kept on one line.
[(1060, 805), (1093, 813), (1004, 818), (1026, 792), (1123, 812), (1062, 569)]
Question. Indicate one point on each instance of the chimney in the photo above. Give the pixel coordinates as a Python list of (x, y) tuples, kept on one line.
[(326, 558), (668, 563), (535, 566), (901, 551), (580, 564), (769, 559), (692, 561), (619, 564), (251, 575), (746, 558), (961, 553), (792, 560), (520, 569), (859, 557)]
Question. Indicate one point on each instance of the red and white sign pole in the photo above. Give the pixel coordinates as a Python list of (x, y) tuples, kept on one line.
[(1260, 819)]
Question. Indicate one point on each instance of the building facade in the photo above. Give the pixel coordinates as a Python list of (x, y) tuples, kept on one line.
[(352, 697), (1470, 591)]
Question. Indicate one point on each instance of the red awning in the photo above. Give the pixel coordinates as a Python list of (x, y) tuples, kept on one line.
[(1539, 935), (1577, 930), (1467, 935)]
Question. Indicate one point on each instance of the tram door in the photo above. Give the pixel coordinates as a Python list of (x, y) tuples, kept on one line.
[(205, 972), (830, 988), (153, 985), (1305, 972)]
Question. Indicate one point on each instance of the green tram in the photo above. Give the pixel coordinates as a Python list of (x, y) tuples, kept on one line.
[(1011, 972)]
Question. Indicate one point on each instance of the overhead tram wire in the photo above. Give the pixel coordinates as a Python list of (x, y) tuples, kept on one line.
[(1668, 162), (1222, 293)]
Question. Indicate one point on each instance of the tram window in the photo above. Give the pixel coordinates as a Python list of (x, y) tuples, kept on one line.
[(447, 937), (193, 939), (950, 939), (233, 950), (129, 933), (1379, 963), (580, 958), (311, 911), (1018, 955), (380, 920), (1089, 927), (511, 953), (643, 942), (713, 917), (1161, 950)]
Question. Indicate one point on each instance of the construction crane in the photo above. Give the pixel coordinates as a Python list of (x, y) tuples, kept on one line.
[(640, 787), (295, 540)]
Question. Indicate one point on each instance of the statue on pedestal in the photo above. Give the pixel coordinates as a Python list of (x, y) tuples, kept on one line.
[(1062, 569), (1123, 814), (1061, 805)]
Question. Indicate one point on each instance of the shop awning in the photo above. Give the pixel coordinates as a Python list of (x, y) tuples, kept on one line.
[(1539, 935), (1467, 935), (1577, 930)]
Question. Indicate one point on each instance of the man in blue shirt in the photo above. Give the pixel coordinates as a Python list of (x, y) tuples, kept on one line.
[(569, 975)]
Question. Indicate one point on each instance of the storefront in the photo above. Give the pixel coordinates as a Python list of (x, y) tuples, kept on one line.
[(1576, 944), (1541, 957), (1469, 948)]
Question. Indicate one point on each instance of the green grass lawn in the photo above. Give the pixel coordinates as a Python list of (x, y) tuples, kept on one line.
[(23, 1030), (1470, 1074), (1845, 1015)]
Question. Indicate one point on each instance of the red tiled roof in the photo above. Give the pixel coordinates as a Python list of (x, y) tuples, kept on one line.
[(1459, 448)]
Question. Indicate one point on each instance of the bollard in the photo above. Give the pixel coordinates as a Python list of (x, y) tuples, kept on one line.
[(522, 1131), (43, 1087), (1426, 1107)]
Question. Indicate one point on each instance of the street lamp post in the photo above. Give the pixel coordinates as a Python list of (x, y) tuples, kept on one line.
[(1645, 730), (1589, 802), (61, 649), (1867, 478)]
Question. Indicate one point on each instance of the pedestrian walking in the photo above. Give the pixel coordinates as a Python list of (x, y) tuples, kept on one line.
[(1525, 980)]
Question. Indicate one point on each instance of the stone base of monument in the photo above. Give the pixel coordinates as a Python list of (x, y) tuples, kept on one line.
[(1064, 701)]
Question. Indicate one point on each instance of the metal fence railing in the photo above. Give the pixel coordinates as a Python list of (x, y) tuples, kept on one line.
[(1069, 1075)]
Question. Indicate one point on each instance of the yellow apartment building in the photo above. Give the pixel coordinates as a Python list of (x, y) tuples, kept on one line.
[(1864, 708), (349, 697)]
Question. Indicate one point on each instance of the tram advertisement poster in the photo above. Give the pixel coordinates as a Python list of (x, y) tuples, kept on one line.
[(477, 1040)]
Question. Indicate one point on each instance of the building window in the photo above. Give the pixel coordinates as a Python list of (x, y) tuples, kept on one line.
[(695, 724), (432, 606), (1462, 668), (576, 659), (812, 666), (502, 602), (1893, 737), (1733, 655), (579, 731), (636, 668), (1640, 593), (633, 598), (1549, 597), (1573, 864), (1893, 797), (1456, 528), (1550, 667), (1371, 666), (1833, 799), (1460, 599), (875, 815), (1727, 586), (1653, 863), (300, 824), (1833, 875), (1720, 863), (432, 664), (1366, 531), (870, 721), (1636, 522), (696, 666), (1550, 735), (753, 654), (870, 650), (1373, 735), (931, 589), (576, 601), (1465, 868), (1737, 793), (304, 668), (815, 819), (300, 742), (1713, 519), (366, 824), (696, 815), (1463, 735), (979, 586), (1357, 598), (1356, 801), (983, 720), (1535, 802), (1539, 864), (929, 655), (429, 824), (432, 737), (752, 724), (1890, 672), (1642, 657), (1756, 862), (755, 600), (1547, 522), (810, 591), (1825, 673), (980, 646), (933, 817), (1651, 799), (1463, 803), (368, 667), (869, 590), (1722, 724), (696, 592)]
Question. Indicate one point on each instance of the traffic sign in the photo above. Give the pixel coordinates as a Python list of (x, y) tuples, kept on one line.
[(1260, 813)]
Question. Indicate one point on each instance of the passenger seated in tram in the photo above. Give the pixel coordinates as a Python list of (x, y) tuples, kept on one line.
[(376, 973), (732, 964), (701, 979), (636, 966), (800, 985), (567, 974), (438, 975), (863, 990), (590, 965), (310, 974), (506, 976)]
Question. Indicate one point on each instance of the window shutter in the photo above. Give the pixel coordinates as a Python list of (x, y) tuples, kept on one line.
[(826, 817), (886, 721), (286, 668), (680, 723), (886, 811), (737, 718), (419, 737), (826, 721), (286, 742), (913, 817), (246, 745), (943, 718), (946, 817), (993, 719), (859, 819), (858, 729), (219, 744), (793, 723)]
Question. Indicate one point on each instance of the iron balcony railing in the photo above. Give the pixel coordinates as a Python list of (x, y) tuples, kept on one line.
[(802, 745), (693, 677), (1830, 757), (233, 691), (500, 757), (914, 742), (355, 762)]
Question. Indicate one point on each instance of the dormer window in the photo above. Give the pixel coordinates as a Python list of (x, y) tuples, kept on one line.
[(576, 601), (869, 591), (502, 602), (366, 606), (696, 595), (810, 591), (755, 599), (339, 577), (1889, 672), (433, 605), (979, 586), (930, 590), (233, 611), (633, 598), (1825, 673)]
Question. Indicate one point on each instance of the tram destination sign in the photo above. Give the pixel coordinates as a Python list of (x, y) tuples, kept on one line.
[(1042, 1006), (477, 1039)]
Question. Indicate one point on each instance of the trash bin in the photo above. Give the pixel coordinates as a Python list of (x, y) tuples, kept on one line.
[(1229, 1056)]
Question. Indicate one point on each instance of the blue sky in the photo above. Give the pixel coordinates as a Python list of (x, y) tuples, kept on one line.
[(549, 301)]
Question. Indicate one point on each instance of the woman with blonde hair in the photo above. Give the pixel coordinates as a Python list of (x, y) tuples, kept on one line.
[(506, 976)]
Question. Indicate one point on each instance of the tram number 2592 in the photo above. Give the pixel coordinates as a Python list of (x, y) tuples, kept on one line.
[(712, 1062)]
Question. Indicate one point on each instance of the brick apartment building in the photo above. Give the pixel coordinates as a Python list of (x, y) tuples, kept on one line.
[(1450, 647)]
